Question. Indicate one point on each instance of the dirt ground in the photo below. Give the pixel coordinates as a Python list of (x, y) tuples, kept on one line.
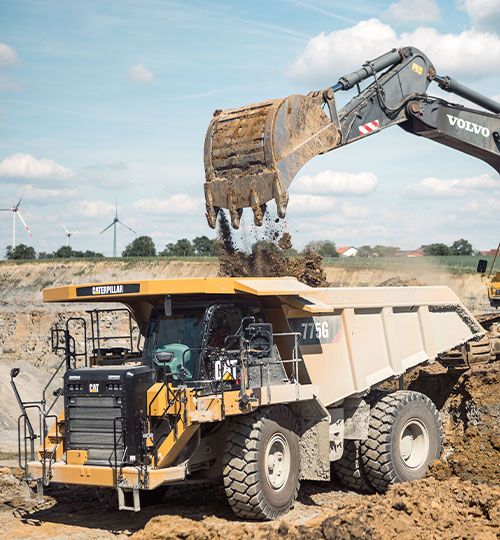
[(460, 498)]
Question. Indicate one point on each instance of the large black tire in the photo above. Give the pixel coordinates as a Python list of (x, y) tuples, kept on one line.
[(405, 434), (262, 463), (349, 468)]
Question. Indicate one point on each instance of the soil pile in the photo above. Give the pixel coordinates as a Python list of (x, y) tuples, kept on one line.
[(471, 419), (268, 259), (9, 485), (420, 510)]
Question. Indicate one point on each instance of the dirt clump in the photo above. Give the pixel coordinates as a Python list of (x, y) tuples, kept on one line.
[(9, 484), (285, 242), (267, 259)]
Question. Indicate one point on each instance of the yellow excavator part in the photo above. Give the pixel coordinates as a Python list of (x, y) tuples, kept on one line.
[(253, 153)]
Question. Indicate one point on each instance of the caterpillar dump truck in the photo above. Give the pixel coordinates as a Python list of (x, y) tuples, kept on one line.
[(252, 153), (262, 382)]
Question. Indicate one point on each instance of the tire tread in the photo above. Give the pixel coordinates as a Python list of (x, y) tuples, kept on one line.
[(376, 450), (241, 460)]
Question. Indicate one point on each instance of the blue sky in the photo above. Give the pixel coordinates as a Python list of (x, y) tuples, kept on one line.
[(99, 99)]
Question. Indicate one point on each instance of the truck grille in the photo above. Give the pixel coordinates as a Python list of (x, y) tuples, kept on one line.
[(94, 424)]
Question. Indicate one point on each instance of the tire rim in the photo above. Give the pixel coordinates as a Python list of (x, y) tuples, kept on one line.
[(414, 444), (277, 461)]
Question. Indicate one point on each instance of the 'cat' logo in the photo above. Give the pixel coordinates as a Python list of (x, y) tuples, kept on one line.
[(468, 126), (94, 388)]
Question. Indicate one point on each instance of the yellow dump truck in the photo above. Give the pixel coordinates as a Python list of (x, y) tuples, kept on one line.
[(262, 382)]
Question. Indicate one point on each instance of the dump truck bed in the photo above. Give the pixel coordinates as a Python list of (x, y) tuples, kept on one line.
[(349, 339)]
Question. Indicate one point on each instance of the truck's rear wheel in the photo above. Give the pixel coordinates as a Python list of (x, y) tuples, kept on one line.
[(262, 463), (404, 436), (349, 468)]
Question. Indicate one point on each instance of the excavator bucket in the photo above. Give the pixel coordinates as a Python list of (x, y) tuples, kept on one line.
[(253, 153)]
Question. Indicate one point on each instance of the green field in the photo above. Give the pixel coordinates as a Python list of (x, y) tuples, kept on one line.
[(454, 264)]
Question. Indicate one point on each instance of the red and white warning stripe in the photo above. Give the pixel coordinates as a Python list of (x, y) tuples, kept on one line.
[(368, 128)]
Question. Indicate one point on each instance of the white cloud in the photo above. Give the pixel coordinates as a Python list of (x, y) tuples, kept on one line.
[(8, 56), (328, 182), (413, 11), (481, 207), (48, 196), (27, 166), (93, 209), (484, 14), (327, 57), (140, 74), (496, 98), (471, 53), (453, 187), (353, 211), (181, 204), (302, 204)]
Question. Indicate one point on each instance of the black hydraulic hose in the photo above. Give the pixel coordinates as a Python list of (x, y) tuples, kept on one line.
[(451, 85)]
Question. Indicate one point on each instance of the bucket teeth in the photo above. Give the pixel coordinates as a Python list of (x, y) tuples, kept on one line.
[(235, 214), (234, 211), (257, 207), (212, 211)]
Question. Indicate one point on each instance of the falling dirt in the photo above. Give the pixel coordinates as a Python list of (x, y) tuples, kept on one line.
[(267, 259), (285, 242)]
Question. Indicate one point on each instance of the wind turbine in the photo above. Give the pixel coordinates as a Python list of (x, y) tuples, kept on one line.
[(113, 224), (68, 235), (15, 210)]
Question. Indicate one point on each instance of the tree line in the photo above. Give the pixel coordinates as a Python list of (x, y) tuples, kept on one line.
[(202, 246)]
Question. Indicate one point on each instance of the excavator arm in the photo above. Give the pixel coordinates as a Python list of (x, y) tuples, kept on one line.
[(253, 153)]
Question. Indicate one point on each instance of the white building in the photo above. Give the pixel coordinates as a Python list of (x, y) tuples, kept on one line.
[(349, 251)]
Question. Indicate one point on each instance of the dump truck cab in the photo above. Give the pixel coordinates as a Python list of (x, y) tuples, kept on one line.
[(180, 343), (261, 379)]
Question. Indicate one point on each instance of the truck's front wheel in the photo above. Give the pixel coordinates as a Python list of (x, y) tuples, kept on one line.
[(405, 434), (262, 463)]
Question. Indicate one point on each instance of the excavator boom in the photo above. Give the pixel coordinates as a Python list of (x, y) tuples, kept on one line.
[(253, 153)]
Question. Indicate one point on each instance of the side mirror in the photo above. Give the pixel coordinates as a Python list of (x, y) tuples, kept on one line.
[(482, 264), (163, 357), (14, 372)]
